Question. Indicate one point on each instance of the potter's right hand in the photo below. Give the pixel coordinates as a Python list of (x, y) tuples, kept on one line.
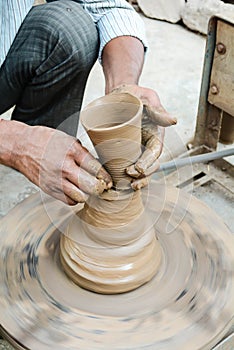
[(155, 119), (56, 162)]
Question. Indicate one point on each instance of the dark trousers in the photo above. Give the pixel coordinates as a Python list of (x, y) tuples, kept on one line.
[(46, 69)]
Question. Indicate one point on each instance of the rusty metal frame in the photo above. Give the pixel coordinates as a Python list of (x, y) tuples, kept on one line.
[(209, 117)]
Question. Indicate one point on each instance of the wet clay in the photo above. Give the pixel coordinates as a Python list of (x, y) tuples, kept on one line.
[(188, 304), (113, 123), (111, 247)]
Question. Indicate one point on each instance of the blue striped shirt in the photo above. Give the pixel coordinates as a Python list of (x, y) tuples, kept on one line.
[(113, 18)]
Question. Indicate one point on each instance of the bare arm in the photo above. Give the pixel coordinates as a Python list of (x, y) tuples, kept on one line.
[(53, 160), (123, 60)]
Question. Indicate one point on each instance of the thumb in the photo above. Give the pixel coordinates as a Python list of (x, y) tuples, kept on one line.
[(158, 115)]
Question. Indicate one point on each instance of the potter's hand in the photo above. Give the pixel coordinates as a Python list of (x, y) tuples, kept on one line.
[(57, 163), (155, 118)]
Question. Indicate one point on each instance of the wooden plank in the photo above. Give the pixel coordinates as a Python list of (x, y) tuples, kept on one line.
[(221, 90)]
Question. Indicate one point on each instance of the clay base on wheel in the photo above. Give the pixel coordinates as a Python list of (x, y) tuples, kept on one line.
[(187, 305), (110, 246)]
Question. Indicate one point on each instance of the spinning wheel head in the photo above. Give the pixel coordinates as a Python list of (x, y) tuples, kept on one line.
[(187, 305)]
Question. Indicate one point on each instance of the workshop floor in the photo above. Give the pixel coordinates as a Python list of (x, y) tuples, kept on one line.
[(173, 68)]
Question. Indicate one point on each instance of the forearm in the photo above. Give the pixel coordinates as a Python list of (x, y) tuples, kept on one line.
[(122, 60), (10, 132)]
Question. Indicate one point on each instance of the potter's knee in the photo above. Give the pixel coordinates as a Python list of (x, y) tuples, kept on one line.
[(72, 27)]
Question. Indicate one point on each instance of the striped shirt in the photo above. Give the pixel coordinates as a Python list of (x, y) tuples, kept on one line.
[(113, 18)]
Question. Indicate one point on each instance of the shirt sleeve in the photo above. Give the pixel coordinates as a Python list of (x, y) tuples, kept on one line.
[(12, 14), (116, 18)]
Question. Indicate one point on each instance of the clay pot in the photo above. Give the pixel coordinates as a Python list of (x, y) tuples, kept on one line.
[(110, 245), (113, 123)]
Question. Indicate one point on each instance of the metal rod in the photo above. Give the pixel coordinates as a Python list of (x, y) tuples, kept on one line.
[(200, 158)]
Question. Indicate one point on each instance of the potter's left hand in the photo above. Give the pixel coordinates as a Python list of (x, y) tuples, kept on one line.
[(155, 119)]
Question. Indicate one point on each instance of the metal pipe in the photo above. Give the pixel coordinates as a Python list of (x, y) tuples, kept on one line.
[(200, 158)]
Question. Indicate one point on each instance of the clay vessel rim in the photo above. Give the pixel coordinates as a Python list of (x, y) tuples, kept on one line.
[(115, 127)]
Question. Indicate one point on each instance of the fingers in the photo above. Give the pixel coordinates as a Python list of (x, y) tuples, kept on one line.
[(155, 118), (69, 194), (74, 186), (152, 137), (151, 102), (61, 167), (154, 109), (84, 181), (131, 171), (73, 194), (148, 157), (64, 198), (82, 175), (87, 162), (159, 115), (140, 183)]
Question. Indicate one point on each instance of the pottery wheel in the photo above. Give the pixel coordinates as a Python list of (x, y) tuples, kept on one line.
[(187, 305)]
